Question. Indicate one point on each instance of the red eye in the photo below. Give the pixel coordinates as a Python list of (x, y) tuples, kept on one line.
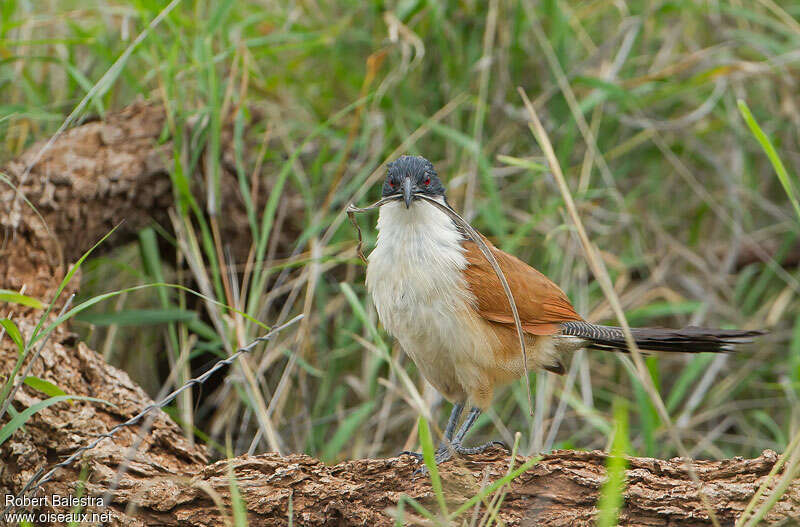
[(391, 184), (427, 181)]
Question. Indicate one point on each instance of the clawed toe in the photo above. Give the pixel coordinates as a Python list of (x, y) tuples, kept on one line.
[(501, 444), (443, 454), (415, 455), (468, 451)]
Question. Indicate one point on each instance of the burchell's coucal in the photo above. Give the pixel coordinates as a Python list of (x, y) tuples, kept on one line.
[(440, 298)]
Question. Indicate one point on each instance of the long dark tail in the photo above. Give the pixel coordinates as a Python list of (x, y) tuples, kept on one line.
[(688, 340)]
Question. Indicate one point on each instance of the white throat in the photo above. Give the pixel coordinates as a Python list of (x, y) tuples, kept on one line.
[(421, 233), (418, 258)]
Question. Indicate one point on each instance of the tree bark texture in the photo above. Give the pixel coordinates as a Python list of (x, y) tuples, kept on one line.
[(106, 172)]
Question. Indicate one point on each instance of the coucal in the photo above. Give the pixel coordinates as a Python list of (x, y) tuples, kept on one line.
[(436, 293)]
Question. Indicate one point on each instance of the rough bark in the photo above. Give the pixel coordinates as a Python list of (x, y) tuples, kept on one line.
[(92, 178), (100, 173), (560, 490)]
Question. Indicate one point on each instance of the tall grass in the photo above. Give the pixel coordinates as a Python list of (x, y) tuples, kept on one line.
[(293, 109)]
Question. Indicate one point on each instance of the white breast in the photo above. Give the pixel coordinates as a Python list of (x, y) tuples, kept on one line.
[(415, 278)]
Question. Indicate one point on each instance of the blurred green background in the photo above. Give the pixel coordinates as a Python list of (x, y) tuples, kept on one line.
[(296, 106)]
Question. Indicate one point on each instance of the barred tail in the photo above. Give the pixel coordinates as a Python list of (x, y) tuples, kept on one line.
[(688, 340)]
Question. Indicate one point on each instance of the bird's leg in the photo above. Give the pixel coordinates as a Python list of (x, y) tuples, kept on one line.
[(444, 452), (451, 424), (453, 444), (455, 413), (458, 440)]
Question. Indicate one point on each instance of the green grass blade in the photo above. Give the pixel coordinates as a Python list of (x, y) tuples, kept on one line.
[(490, 489), (361, 314), (99, 298), (417, 506), (772, 154), (46, 387), (79, 492), (237, 503), (219, 16), (696, 367), (138, 317), (522, 163), (611, 494), (429, 455), (17, 298), (20, 419), (14, 334), (151, 259)]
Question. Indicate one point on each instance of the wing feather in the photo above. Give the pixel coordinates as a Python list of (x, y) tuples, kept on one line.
[(542, 305)]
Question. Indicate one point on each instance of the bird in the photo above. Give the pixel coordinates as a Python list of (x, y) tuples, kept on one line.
[(438, 296)]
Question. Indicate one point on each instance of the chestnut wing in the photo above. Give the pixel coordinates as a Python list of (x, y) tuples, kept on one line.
[(541, 304)]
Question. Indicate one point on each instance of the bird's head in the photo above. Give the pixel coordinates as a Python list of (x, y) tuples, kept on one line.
[(409, 175)]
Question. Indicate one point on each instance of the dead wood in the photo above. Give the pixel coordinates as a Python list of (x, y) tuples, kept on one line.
[(560, 490), (101, 173), (92, 178)]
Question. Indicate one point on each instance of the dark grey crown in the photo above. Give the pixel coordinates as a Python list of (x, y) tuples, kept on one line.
[(420, 170)]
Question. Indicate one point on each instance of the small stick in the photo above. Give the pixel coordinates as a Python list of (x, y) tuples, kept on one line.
[(352, 209), (487, 253)]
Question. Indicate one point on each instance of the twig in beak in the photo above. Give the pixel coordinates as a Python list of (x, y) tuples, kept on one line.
[(352, 209)]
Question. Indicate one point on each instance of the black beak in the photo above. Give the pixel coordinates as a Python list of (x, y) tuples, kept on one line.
[(407, 193)]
